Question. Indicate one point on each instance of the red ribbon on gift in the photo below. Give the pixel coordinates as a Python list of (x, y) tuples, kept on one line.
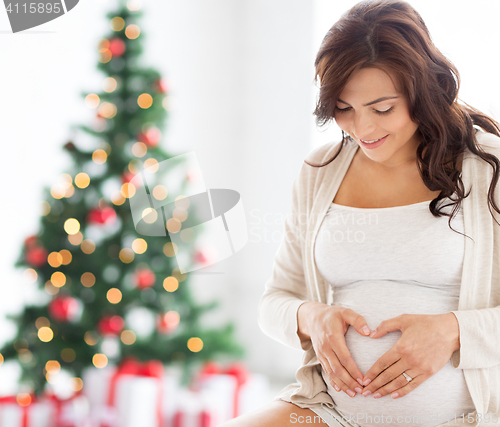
[(58, 403), (237, 370), (131, 366), (25, 408)]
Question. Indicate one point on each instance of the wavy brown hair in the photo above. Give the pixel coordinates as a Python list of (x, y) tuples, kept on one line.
[(392, 36)]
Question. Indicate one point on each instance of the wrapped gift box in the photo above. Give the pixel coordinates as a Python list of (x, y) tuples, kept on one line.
[(195, 410), (233, 391), (126, 396), (37, 414)]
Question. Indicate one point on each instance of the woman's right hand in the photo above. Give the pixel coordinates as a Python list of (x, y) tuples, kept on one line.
[(327, 326)]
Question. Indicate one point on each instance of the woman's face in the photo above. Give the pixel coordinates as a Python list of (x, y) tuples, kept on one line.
[(383, 117)]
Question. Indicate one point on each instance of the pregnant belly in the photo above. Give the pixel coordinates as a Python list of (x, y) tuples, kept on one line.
[(438, 399)]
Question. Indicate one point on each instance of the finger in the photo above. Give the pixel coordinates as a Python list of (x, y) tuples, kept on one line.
[(357, 321), (399, 386), (384, 362), (338, 375), (336, 383), (346, 383), (389, 325), (409, 386), (383, 381), (352, 376)]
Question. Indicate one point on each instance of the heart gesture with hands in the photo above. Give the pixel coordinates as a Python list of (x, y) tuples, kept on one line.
[(327, 326), (426, 344)]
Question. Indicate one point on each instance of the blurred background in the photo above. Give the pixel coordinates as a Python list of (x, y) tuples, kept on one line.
[(241, 95)]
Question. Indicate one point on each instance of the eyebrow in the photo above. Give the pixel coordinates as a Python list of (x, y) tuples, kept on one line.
[(373, 102)]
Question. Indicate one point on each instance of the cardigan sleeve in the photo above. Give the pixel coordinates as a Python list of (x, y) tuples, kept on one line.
[(285, 291), (479, 338)]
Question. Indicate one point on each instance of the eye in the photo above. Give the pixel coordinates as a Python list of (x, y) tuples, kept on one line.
[(343, 110), (386, 111)]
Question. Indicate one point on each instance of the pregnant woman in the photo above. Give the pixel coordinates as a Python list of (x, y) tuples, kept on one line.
[(388, 276)]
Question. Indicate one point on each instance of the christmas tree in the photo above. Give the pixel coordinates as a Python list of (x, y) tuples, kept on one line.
[(104, 291)]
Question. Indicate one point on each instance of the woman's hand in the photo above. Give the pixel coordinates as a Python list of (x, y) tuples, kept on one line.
[(425, 346), (327, 326)]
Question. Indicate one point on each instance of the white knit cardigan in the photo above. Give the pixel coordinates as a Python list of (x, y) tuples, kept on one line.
[(295, 278)]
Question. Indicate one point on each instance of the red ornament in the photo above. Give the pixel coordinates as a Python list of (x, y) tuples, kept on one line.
[(160, 85), (150, 137), (204, 256), (127, 177), (111, 325), (117, 47), (144, 278), (36, 256), (63, 308), (164, 325), (31, 241), (106, 215)]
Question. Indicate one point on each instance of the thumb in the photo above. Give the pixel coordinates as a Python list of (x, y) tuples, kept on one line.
[(386, 326), (357, 321)]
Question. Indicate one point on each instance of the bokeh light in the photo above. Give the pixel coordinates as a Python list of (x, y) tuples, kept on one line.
[(195, 344), (30, 275), (45, 334), (128, 190), (117, 23), (75, 239), (170, 284), (53, 366), (91, 338), (145, 100), (139, 149), (87, 279), (58, 279), (151, 166), (99, 156), (132, 31), (173, 225), (170, 249), (66, 256), (55, 259), (160, 192), (23, 399), (82, 180), (149, 215), (109, 84), (71, 226), (128, 337), (139, 246), (92, 100), (114, 296), (107, 110), (126, 255), (88, 246), (100, 360)]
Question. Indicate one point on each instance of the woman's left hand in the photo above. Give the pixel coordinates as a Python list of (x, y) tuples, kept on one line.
[(425, 346)]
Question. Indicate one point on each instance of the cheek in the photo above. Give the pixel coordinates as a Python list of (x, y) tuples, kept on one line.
[(401, 123), (341, 122)]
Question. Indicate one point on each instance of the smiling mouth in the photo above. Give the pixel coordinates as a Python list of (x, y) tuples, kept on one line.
[(373, 141)]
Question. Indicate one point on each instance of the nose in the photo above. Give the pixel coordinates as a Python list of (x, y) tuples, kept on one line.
[(363, 127)]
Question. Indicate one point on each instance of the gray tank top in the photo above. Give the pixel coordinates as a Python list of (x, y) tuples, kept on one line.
[(383, 262)]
